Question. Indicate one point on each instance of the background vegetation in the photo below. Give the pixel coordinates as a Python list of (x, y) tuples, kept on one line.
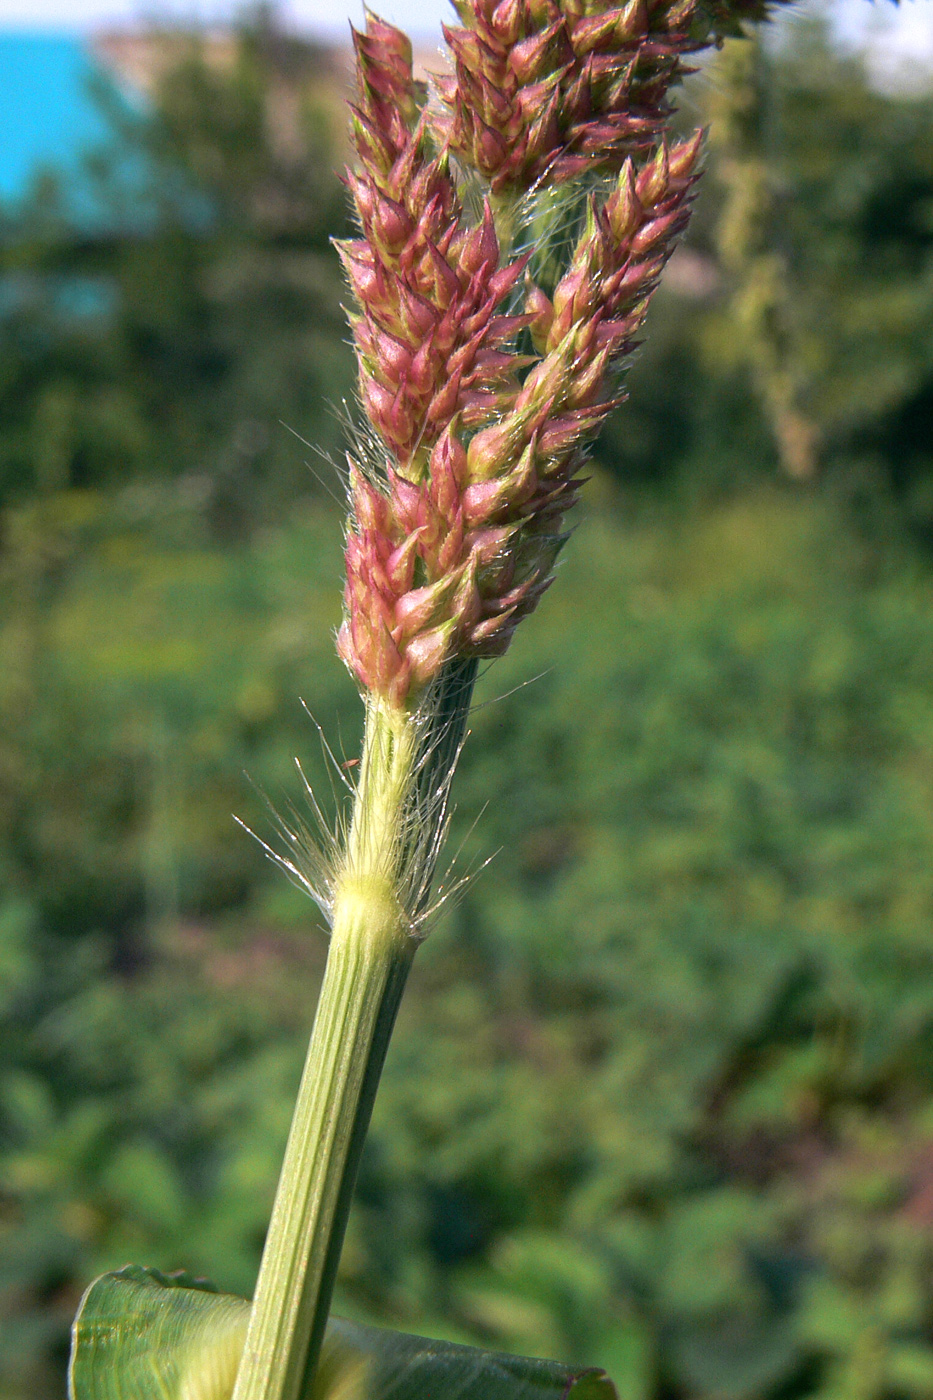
[(661, 1092)]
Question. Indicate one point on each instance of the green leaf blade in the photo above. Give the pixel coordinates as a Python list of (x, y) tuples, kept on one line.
[(143, 1335)]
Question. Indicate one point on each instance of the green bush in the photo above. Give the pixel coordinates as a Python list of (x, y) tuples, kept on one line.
[(659, 1097)]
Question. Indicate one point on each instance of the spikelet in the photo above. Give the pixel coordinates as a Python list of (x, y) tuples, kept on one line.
[(546, 91)]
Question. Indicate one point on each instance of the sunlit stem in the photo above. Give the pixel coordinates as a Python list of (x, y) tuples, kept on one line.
[(370, 954)]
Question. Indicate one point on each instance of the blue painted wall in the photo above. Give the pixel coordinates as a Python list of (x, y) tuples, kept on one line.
[(47, 114)]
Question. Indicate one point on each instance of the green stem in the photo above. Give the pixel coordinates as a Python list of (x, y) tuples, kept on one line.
[(505, 217), (370, 954), (406, 761)]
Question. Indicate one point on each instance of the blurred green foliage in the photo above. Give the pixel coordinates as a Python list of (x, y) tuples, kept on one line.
[(660, 1097), (660, 1094), (809, 263), (199, 310)]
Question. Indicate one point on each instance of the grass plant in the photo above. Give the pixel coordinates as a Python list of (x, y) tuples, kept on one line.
[(513, 224)]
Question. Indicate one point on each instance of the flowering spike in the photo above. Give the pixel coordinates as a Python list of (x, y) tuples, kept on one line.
[(454, 538)]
